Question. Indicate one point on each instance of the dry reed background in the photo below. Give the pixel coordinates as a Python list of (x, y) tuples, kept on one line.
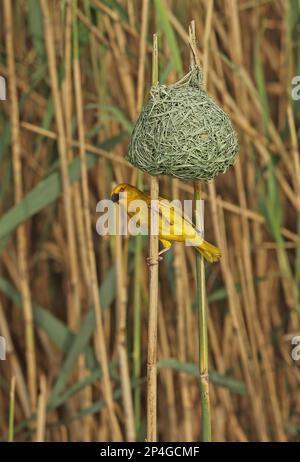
[(76, 363)]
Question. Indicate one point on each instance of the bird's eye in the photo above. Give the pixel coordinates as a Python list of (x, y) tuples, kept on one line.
[(122, 190)]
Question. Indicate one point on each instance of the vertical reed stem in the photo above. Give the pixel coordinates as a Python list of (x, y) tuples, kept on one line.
[(153, 298), (18, 193), (100, 336), (41, 411), (203, 335), (62, 149), (184, 382), (201, 303), (137, 322), (138, 239), (121, 339), (11, 410)]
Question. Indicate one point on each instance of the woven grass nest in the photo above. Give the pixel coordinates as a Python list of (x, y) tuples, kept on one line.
[(183, 133)]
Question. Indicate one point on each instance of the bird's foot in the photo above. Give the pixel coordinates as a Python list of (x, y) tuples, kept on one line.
[(153, 261)]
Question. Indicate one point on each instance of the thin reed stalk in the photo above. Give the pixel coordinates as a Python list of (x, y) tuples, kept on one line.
[(181, 332), (295, 154), (137, 323), (203, 337), (18, 193), (201, 302), (11, 416), (41, 411), (73, 317), (168, 379), (153, 297), (138, 240), (100, 337), (63, 158), (237, 318), (121, 340), (137, 315), (14, 363)]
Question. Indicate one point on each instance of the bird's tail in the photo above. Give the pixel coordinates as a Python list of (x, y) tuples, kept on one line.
[(209, 251)]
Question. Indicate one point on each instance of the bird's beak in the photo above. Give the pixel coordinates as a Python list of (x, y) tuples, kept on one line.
[(115, 197)]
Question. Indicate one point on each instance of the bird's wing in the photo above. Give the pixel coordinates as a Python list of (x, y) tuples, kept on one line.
[(183, 225), (179, 214), (172, 220)]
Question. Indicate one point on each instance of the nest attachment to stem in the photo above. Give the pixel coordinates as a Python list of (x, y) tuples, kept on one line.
[(183, 133)]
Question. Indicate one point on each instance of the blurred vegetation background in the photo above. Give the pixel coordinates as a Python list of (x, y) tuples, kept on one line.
[(73, 305)]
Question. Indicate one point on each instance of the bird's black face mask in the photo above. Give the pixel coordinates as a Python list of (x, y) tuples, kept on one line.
[(115, 197)]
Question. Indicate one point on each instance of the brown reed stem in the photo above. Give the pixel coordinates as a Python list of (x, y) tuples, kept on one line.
[(18, 193), (167, 378), (73, 318), (181, 331), (121, 341), (137, 360), (41, 411), (100, 337), (62, 148), (11, 416), (201, 299), (142, 55), (14, 363), (153, 298)]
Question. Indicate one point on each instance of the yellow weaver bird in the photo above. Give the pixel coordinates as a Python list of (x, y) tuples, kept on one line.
[(173, 225)]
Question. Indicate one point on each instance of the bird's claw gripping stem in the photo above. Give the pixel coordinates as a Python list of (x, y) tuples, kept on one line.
[(153, 261)]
